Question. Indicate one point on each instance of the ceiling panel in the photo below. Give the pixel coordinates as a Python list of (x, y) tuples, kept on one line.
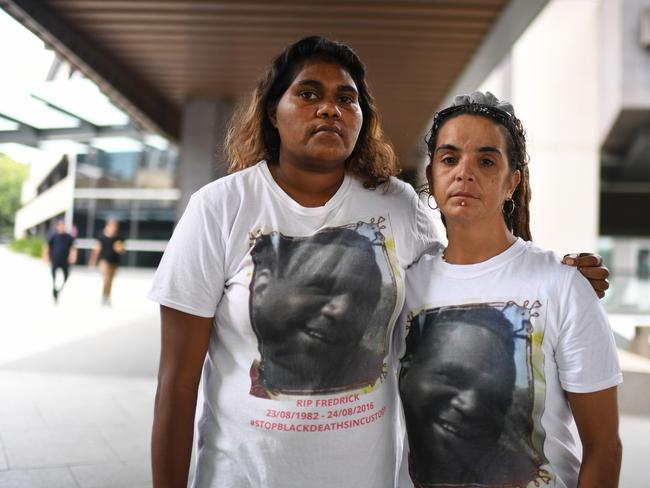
[(174, 50)]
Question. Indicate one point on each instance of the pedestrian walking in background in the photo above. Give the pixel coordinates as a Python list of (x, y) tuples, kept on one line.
[(107, 251), (60, 253)]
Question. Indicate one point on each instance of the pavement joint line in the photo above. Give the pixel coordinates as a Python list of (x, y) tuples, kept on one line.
[(74, 478)]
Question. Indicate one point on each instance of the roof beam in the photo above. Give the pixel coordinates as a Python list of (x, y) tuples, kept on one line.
[(139, 100), (31, 137), (512, 22)]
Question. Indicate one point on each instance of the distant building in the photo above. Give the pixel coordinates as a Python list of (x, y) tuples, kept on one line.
[(134, 183), (93, 164)]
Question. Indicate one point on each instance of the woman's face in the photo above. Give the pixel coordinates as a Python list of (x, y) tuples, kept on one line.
[(469, 175), (318, 117)]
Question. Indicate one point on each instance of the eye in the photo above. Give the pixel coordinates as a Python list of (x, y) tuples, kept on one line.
[(346, 99), (487, 163), (448, 160), (307, 95), (446, 378)]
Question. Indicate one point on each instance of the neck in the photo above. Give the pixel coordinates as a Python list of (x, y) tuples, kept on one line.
[(308, 187), (471, 243)]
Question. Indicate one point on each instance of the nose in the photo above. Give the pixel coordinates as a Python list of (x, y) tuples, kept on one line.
[(328, 109), (466, 401), (464, 170), (336, 306)]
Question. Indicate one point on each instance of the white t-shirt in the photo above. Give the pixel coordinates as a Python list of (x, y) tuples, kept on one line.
[(299, 384), (491, 349)]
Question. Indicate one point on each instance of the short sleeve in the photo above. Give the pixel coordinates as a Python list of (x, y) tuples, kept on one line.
[(190, 277), (426, 235), (586, 353)]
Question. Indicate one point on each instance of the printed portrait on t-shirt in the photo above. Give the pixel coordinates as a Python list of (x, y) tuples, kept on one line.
[(320, 307), (467, 388)]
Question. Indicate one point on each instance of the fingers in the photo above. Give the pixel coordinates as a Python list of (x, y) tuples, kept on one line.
[(599, 285), (591, 266), (594, 272), (584, 259)]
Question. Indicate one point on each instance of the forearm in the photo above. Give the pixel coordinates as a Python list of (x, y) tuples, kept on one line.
[(601, 465), (172, 436), (184, 343)]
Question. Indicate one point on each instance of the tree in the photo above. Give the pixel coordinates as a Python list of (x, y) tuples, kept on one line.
[(12, 175)]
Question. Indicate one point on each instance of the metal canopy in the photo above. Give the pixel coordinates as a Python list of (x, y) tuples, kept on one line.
[(65, 110), (150, 56)]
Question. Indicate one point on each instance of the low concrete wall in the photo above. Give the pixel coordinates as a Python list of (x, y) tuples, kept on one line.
[(634, 393)]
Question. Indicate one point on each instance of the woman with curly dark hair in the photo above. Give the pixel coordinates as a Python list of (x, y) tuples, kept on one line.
[(506, 347), (287, 277)]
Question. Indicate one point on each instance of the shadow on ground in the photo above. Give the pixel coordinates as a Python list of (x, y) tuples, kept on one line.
[(131, 350)]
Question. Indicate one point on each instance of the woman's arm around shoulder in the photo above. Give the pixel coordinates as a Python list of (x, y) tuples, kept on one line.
[(184, 344)]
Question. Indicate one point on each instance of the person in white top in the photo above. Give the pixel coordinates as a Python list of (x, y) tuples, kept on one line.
[(282, 284), (506, 347), (287, 277)]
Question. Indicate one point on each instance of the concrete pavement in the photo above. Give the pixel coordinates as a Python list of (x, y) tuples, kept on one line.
[(77, 380), (77, 383)]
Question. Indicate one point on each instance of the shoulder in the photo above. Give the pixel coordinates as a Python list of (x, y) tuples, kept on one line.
[(395, 196), (397, 188), (540, 259), (424, 269), (229, 185), (547, 266)]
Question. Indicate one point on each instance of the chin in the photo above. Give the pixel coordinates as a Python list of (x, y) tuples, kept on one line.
[(329, 159), (459, 215)]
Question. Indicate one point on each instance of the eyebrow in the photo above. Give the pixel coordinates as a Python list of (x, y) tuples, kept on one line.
[(489, 149), (451, 147), (320, 85)]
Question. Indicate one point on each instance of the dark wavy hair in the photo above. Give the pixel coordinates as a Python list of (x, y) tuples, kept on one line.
[(252, 137), (518, 221)]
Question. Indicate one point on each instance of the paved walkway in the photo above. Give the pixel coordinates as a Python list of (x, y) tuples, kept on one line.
[(77, 383), (77, 380)]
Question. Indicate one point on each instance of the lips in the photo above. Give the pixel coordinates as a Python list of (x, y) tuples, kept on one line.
[(328, 128), (463, 194), (465, 428), (449, 427), (322, 330)]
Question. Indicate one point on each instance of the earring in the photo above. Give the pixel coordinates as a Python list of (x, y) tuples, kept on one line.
[(429, 203), (512, 209)]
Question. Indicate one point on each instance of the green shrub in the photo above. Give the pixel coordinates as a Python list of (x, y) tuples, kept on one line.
[(32, 246)]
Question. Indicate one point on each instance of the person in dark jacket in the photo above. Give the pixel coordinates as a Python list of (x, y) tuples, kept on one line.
[(60, 253)]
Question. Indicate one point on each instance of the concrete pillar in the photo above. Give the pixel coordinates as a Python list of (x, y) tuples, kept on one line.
[(554, 90), (201, 150)]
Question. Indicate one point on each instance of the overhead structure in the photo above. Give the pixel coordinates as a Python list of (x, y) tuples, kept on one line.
[(151, 57)]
